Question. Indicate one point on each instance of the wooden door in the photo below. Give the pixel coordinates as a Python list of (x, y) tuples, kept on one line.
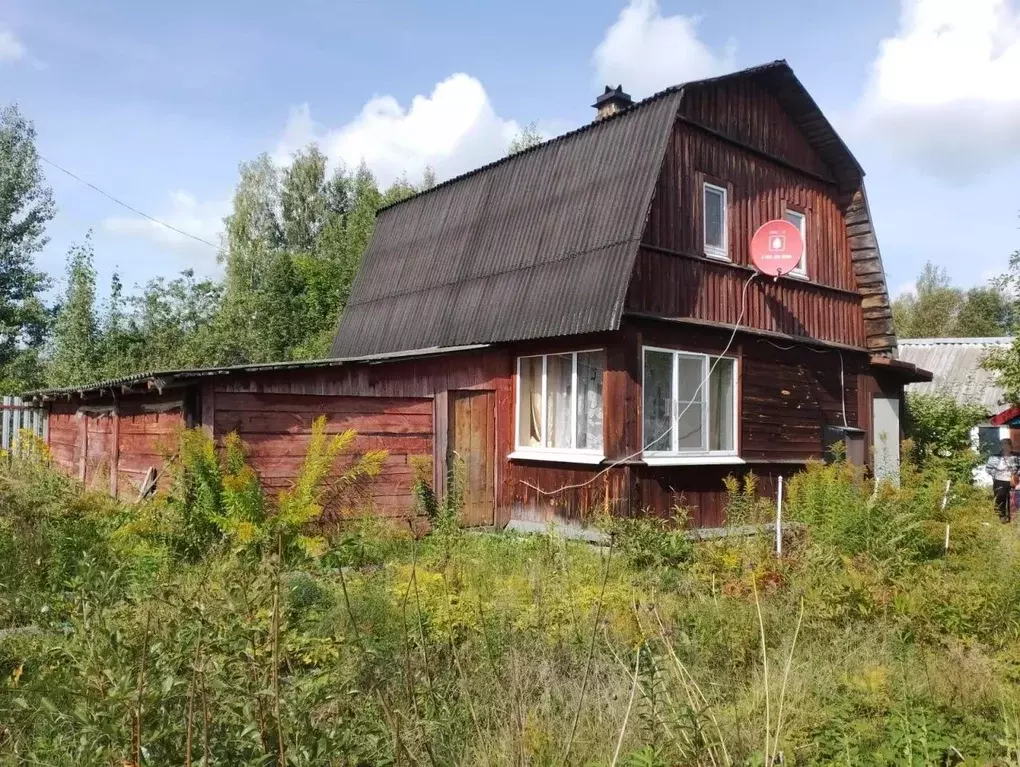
[(471, 446)]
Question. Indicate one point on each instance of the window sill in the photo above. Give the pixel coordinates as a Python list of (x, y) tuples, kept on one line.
[(556, 456), (718, 256), (693, 460)]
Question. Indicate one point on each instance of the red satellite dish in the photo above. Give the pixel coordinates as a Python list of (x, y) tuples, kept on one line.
[(777, 247)]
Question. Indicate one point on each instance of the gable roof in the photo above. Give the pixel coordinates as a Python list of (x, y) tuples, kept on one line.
[(543, 243), (956, 366)]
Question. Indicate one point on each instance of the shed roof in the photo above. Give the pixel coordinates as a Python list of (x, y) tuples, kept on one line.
[(541, 243), (956, 366), (159, 379)]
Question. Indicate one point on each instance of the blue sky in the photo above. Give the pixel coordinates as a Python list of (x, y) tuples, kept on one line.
[(157, 103)]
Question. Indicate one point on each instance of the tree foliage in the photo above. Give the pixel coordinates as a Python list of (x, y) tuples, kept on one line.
[(26, 206), (527, 138), (939, 428), (937, 309), (77, 344), (1006, 362), (292, 246)]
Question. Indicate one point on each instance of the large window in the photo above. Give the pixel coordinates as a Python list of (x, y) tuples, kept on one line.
[(559, 403), (689, 404), (714, 223), (799, 220)]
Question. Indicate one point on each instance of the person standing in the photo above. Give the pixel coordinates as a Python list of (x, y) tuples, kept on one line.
[(1003, 468)]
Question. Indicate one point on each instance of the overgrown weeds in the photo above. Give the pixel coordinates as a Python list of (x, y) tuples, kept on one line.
[(216, 624)]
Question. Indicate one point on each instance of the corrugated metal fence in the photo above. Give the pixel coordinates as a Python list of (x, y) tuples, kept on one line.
[(20, 417)]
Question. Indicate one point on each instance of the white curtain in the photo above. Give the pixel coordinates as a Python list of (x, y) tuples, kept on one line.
[(721, 415), (559, 391), (589, 400), (529, 426)]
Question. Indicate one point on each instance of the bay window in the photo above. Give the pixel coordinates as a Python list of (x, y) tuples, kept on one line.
[(559, 405), (689, 404)]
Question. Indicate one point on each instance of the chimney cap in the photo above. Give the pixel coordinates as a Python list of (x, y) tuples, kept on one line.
[(615, 96)]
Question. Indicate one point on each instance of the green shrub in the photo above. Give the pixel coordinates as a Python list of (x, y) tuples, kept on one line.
[(939, 430)]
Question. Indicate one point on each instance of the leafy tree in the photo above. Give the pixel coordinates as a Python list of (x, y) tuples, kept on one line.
[(26, 206), (985, 312), (929, 311), (280, 306), (1006, 363), (305, 200), (940, 428), (175, 324), (76, 343), (527, 138), (937, 309)]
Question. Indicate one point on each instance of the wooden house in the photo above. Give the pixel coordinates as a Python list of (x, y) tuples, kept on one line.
[(579, 323)]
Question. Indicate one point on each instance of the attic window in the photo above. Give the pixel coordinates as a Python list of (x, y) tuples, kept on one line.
[(714, 221), (799, 220), (559, 405)]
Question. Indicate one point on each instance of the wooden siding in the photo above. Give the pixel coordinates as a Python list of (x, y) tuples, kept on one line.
[(787, 396), (672, 276), (759, 190), (672, 285), (747, 112), (125, 441), (277, 429), (870, 275)]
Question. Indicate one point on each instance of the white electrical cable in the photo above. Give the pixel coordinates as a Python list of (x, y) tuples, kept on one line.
[(675, 421), (842, 381)]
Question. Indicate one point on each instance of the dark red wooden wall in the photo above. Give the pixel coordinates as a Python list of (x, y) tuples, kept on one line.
[(111, 447), (776, 169)]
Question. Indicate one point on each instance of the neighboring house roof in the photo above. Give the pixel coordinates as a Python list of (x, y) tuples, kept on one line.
[(543, 243), (956, 366)]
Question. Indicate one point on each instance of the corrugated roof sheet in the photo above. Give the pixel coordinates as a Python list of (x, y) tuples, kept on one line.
[(956, 366), (539, 244), (161, 378)]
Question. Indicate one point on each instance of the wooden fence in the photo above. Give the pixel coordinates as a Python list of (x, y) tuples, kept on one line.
[(20, 417)]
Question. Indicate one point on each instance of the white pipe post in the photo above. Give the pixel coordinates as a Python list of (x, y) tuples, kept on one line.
[(945, 502), (779, 518)]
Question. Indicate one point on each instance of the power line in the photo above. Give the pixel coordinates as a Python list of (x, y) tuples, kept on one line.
[(132, 209)]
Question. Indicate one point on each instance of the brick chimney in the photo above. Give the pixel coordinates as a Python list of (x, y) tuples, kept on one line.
[(612, 101)]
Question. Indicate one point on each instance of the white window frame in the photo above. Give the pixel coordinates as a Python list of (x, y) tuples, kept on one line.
[(800, 270), (676, 455), (715, 251), (559, 454)]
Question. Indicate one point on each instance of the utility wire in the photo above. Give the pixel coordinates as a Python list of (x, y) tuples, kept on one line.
[(674, 422), (123, 204)]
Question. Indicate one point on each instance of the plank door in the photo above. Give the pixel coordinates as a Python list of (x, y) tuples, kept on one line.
[(97, 428), (471, 443)]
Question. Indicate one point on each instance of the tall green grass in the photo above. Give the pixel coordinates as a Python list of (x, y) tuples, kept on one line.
[(171, 633)]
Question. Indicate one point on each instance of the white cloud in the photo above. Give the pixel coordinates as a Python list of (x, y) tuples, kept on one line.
[(646, 51), (11, 48), (184, 212), (453, 130), (905, 289), (945, 91)]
